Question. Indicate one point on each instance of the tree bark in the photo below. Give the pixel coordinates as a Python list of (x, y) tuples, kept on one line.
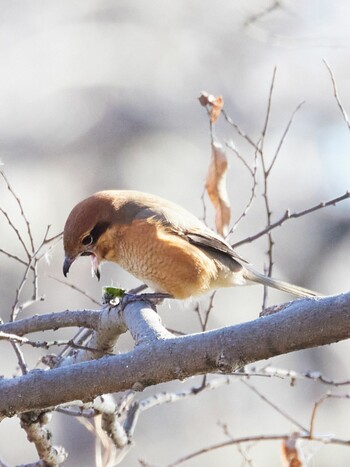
[(159, 356)]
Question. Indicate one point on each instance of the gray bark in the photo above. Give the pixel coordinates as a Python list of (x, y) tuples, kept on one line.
[(159, 356)]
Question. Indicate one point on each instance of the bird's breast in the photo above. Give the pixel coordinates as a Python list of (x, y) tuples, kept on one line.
[(162, 259)]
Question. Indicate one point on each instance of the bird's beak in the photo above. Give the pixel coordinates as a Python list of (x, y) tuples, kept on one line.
[(95, 265), (67, 264)]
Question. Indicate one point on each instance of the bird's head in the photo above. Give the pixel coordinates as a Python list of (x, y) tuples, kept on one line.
[(86, 224)]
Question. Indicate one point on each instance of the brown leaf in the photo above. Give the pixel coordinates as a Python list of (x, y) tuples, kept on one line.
[(216, 188), (205, 98), (216, 108), (215, 104), (290, 453)]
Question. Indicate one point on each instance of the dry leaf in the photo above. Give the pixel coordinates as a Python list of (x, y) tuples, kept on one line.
[(215, 105), (205, 98), (216, 188), (290, 453), (216, 108)]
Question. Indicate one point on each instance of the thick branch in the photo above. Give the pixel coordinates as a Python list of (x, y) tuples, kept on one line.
[(108, 328), (64, 319), (303, 324)]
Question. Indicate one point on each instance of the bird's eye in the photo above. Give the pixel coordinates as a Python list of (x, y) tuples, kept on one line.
[(87, 240)]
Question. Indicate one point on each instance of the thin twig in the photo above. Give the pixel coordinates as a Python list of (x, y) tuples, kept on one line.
[(265, 189), (293, 375), (283, 137), (232, 147), (20, 358), (239, 130), (204, 207), (55, 237), (14, 339), (204, 321), (274, 406), (268, 110), (52, 242), (287, 216), (74, 287), (11, 256), (166, 397), (250, 439), (336, 95), (31, 266), (320, 401), (14, 228), (15, 308), (20, 208), (258, 16), (253, 173)]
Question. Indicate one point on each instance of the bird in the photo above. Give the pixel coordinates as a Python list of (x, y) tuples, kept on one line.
[(159, 242)]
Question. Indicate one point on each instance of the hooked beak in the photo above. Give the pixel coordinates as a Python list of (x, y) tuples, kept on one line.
[(95, 269), (67, 264)]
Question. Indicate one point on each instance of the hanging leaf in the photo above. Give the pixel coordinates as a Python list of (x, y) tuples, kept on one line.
[(290, 453), (216, 188)]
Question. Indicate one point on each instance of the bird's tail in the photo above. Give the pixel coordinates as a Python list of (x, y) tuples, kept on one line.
[(254, 276)]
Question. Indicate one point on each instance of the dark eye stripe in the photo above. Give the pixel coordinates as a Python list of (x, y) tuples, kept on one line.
[(98, 230)]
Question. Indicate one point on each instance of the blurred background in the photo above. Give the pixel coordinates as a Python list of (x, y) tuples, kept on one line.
[(103, 94)]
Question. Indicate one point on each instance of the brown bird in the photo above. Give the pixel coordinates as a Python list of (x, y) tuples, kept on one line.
[(158, 242)]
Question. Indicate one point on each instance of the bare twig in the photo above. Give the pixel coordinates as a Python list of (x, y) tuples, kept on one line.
[(336, 95), (258, 16), (204, 206), (14, 339), (268, 110), (240, 131), (253, 173), (288, 215), (55, 237), (283, 137), (250, 439), (20, 357), (18, 201), (166, 397), (52, 242), (274, 406), (328, 395), (233, 148), (78, 289), (16, 258), (265, 187), (31, 266), (204, 320), (14, 228), (292, 375)]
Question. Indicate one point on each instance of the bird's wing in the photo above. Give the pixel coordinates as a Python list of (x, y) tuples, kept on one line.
[(216, 247), (183, 223)]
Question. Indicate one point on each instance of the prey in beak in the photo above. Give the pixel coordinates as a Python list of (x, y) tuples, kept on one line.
[(95, 266)]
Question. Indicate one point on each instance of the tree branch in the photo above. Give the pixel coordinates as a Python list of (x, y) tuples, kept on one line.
[(288, 215), (303, 324), (64, 319)]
